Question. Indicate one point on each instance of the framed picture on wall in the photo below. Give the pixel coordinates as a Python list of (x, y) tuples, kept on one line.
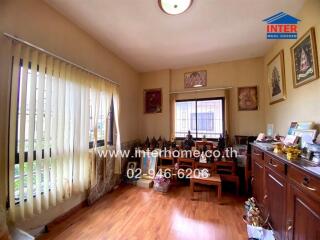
[(195, 79), (153, 100), (276, 78), (248, 98), (304, 59)]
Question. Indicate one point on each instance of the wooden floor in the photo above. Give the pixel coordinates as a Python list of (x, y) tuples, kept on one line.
[(134, 213)]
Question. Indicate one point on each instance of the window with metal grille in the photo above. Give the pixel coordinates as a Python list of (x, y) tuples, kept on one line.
[(200, 117)]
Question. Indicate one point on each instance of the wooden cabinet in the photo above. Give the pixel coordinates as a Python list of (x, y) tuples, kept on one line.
[(257, 175), (275, 201), (309, 184), (303, 220), (258, 181), (290, 195), (275, 164)]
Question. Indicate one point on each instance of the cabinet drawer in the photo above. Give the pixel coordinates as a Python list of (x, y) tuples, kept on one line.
[(257, 154), (309, 184), (275, 164)]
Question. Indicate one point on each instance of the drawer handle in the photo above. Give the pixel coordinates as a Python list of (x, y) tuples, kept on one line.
[(257, 154), (273, 165), (305, 184), (252, 180), (289, 225), (265, 197)]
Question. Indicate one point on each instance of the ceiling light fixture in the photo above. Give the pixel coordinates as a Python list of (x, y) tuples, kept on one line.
[(174, 7)]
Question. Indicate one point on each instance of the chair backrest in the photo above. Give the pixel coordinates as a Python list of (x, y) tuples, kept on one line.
[(185, 163), (166, 161), (226, 167), (210, 166)]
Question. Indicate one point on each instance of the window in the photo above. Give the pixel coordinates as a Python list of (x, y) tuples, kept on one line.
[(56, 110), (105, 118), (25, 144), (101, 125), (101, 121), (200, 117)]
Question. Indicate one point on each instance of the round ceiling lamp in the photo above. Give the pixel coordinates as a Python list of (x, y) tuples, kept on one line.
[(174, 7)]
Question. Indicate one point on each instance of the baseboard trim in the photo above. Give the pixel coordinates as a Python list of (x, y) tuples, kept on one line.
[(65, 215)]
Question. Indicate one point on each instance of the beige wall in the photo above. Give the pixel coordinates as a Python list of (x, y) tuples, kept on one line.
[(37, 23), (302, 104), (155, 124), (248, 72)]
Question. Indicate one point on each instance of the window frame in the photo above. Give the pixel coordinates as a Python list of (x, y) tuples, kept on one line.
[(199, 100), (100, 142)]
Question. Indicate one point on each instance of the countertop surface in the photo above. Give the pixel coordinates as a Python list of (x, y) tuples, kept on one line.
[(305, 165)]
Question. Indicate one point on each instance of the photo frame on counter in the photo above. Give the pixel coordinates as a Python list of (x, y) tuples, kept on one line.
[(276, 78), (306, 136), (304, 57)]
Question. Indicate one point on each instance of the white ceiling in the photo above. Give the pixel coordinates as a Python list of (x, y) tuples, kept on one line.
[(210, 31)]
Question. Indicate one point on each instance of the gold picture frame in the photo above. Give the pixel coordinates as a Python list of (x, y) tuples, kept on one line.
[(305, 68), (276, 78)]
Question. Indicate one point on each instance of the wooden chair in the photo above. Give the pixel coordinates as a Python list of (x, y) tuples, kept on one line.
[(210, 166), (228, 172), (246, 140), (213, 180), (166, 163), (185, 163)]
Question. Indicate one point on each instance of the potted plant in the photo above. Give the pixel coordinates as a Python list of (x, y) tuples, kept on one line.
[(256, 219)]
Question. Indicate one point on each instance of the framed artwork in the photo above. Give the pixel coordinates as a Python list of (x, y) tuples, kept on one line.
[(195, 79), (153, 100), (305, 125), (132, 166), (292, 128), (148, 166), (306, 136), (248, 98), (304, 59), (276, 78)]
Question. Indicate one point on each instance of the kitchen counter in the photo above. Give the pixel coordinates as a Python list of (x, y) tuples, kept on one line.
[(305, 165)]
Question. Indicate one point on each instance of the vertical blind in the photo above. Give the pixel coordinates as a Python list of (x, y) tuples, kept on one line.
[(50, 124)]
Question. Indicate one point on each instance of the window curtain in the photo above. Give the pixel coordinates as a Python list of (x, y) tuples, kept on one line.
[(101, 92), (101, 171), (112, 111), (173, 98), (49, 155), (116, 106)]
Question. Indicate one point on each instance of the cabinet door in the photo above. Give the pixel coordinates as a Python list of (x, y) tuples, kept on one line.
[(276, 202), (257, 181), (303, 221)]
